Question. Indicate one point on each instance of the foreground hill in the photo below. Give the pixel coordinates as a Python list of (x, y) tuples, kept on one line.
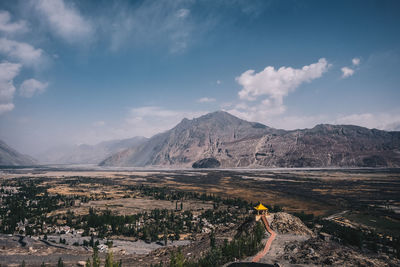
[(11, 157), (224, 138), (88, 154)]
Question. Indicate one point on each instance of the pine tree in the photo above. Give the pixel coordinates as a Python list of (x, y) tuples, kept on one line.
[(212, 239), (60, 262), (177, 260), (165, 237), (88, 263), (95, 258)]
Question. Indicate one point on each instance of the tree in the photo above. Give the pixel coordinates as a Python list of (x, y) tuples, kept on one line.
[(95, 258), (110, 260), (43, 265), (23, 264), (165, 237), (212, 239), (60, 262), (88, 263), (177, 260)]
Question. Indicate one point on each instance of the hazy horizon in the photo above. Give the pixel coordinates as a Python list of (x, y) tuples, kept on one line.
[(82, 72)]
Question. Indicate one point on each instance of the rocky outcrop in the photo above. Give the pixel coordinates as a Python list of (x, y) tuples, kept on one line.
[(206, 163), (239, 143), (317, 252), (11, 157), (285, 223)]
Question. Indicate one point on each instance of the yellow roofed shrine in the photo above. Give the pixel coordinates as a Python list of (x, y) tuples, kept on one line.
[(260, 207)]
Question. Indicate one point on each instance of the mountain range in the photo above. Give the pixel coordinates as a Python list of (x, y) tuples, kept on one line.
[(11, 157), (88, 154), (221, 139)]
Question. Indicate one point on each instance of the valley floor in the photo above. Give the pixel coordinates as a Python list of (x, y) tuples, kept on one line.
[(366, 201)]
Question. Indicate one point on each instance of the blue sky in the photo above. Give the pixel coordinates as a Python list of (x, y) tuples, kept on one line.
[(75, 72)]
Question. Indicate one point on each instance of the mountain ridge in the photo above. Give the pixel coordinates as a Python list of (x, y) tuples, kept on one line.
[(11, 157), (234, 142)]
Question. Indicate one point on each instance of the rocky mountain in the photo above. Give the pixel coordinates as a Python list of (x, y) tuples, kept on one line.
[(11, 157), (233, 142), (88, 154)]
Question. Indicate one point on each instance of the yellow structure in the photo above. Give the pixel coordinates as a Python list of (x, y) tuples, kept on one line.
[(262, 208)]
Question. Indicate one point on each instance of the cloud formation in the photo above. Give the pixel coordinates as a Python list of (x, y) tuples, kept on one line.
[(355, 61), (8, 71), (9, 27), (30, 87), (183, 13), (23, 52), (166, 23), (275, 84), (347, 72), (206, 100), (64, 20), (24, 55)]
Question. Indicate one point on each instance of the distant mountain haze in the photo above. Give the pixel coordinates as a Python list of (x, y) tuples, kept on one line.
[(11, 157), (88, 154), (222, 139)]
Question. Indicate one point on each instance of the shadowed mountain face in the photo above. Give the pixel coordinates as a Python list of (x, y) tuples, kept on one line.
[(238, 143), (11, 157), (88, 154)]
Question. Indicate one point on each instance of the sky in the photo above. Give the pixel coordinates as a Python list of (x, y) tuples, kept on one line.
[(74, 72)]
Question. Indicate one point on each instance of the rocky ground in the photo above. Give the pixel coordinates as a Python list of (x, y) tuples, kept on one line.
[(297, 245), (316, 251)]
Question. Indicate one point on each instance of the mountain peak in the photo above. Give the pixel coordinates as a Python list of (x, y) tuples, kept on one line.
[(221, 117), (233, 142)]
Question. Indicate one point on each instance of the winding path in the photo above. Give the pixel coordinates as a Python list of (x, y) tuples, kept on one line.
[(269, 241)]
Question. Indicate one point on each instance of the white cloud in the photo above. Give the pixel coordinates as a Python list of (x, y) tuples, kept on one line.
[(275, 84), (8, 71), (166, 23), (11, 27), (23, 52), (278, 83), (183, 13), (65, 20), (30, 87), (206, 100), (347, 72), (6, 107), (355, 61), (219, 82)]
